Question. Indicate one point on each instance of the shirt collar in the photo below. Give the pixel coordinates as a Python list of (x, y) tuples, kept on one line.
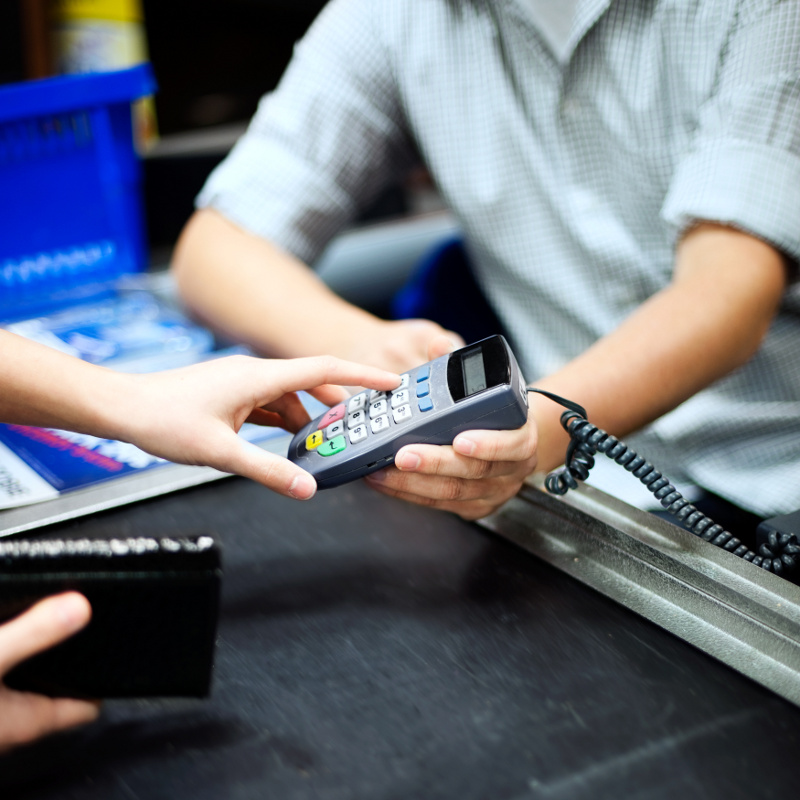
[(587, 13)]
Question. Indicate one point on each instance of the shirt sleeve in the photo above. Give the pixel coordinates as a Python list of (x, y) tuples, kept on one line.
[(323, 144), (743, 168)]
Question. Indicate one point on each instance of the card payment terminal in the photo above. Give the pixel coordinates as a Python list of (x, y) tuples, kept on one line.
[(477, 387)]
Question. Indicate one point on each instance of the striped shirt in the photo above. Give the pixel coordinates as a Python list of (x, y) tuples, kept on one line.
[(572, 175)]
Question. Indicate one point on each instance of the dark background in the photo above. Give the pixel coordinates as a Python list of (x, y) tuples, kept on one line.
[(213, 58), (12, 66)]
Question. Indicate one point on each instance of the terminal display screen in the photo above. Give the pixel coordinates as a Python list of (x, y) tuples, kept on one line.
[(475, 369), (474, 373)]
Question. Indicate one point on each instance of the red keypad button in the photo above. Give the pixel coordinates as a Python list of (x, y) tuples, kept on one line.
[(331, 415)]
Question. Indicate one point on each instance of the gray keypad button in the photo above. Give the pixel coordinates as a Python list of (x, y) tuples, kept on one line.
[(358, 434), (379, 423), (377, 408), (334, 429), (357, 402), (357, 418), (400, 398), (402, 414)]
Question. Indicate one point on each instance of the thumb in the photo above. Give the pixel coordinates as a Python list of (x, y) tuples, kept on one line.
[(273, 471), (442, 344), (44, 625)]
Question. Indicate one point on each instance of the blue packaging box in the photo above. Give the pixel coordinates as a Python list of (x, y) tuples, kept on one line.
[(71, 215)]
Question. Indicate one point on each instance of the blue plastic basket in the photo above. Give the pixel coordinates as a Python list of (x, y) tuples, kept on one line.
[(71, 217)]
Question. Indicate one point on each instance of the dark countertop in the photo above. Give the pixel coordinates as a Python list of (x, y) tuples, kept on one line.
[(371, 649)]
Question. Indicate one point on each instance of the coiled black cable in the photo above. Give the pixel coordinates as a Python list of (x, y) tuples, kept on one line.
[(778, 554)]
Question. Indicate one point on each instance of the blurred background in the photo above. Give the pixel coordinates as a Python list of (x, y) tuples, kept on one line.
[(213, 60)]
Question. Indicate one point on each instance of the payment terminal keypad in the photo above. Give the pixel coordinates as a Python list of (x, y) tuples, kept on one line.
[(364, 415), (477, 386)]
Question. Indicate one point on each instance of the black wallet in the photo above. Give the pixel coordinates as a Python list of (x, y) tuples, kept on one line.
[(155, 604)]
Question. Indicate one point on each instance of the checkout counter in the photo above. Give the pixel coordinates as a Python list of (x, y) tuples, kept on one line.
[(370, 648)]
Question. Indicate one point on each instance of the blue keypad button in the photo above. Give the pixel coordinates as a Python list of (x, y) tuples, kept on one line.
[(423, 373), (423, 389), (425, 404)]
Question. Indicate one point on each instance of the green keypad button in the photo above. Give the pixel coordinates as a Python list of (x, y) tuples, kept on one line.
[(332, 446)]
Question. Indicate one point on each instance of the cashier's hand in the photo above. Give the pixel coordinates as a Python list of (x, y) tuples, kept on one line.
[(472, 478), (192, 415), (25, 716), (399, 345)]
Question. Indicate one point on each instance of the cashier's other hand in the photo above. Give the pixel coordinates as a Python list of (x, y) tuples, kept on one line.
[(471, 478), (25, 717), (192, 415), (400, 344)]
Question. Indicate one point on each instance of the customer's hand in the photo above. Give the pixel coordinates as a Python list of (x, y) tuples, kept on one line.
[(25, 716), (192, 415)]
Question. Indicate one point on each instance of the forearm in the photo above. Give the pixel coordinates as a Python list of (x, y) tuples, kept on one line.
[(257, 294), (709, 321), (43, 387)]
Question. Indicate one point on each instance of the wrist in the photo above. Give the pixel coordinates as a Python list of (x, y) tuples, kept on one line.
[(355, 335), (552, 440), (330, 327), (113, 405)]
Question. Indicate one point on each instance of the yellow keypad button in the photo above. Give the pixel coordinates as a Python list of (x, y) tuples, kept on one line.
[(313, 440)]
